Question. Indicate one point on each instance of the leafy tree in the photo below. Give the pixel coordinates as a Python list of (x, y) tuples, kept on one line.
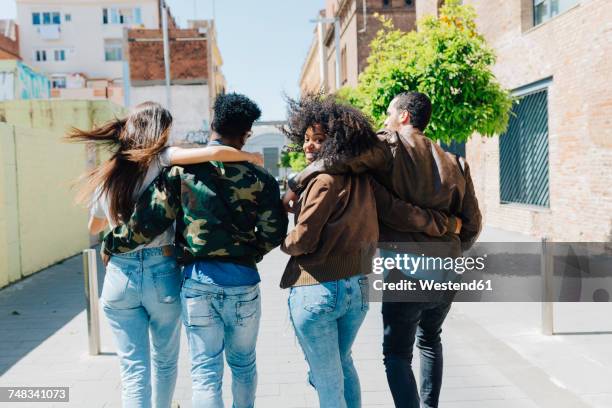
[(294, 158), (448, 60)]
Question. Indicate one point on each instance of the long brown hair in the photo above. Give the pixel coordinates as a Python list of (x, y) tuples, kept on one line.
[(134, 142)]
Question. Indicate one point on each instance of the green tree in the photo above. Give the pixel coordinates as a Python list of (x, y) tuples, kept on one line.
[(448, 60), (294, 158)]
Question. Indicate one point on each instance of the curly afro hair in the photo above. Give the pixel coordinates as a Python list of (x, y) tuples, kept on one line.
[(349, 131), (234, 115)]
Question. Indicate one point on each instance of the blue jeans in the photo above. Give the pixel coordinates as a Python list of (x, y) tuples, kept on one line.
[(140, 298), (402, 322), (218, 319), (326, 318)]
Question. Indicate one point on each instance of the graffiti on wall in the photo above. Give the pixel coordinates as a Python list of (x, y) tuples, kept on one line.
[(193, 137)]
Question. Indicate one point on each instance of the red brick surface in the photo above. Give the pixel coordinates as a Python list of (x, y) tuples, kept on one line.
[(403, 17), (9, 49), (188, 55)]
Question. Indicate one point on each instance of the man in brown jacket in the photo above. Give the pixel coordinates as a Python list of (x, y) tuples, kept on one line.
[(420, 172)]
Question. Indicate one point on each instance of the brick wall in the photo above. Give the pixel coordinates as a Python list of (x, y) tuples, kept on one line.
[(573, 49), (188, 56), (9, 48), (403, 16)]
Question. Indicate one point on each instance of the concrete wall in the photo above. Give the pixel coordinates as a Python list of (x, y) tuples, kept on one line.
[(10, 257), (113, 94), (190, 105), (574, 49), (39, 222)]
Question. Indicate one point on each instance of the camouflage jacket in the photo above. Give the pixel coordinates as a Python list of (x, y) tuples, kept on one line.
[(223, 211)]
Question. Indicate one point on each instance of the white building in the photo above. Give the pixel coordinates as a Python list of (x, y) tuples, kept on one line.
[(63, 37), (268, 140)]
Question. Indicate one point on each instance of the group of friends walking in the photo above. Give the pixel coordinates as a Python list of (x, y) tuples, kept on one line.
[(189, 225)]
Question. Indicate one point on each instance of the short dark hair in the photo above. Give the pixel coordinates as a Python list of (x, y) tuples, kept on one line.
[(234, 115), (417, 105)]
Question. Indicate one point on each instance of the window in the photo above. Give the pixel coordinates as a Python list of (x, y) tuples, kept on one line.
[(113, 50), (544, 10), (67, 17), (386, 3), (40, 55), (408, 3), (137, 16), (523, 152), (46, 18), (127, 16), (59, 55), (58, 82), (457, 148)]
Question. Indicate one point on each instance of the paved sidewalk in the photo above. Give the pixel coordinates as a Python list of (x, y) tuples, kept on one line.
[(495, 356)]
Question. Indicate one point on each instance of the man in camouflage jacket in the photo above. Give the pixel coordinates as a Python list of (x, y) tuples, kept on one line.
[(228, 216)]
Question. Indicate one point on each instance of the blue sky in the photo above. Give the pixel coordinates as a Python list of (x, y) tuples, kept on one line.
[(263, 43)]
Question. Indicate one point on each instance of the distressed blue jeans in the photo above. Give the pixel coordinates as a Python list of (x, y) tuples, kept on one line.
[(326, 318), (221, 319), (141, 300)]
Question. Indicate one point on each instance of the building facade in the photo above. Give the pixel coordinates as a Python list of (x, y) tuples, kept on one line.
[(358, 26), (268, 140), (65, 37), (550, 173), (195, 74)]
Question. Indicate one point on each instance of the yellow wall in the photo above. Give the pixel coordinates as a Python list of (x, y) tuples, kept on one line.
[(10, 268), (39, 222)]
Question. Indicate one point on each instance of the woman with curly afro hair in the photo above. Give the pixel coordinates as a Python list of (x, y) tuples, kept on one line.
[(350, 130), (336, 230)]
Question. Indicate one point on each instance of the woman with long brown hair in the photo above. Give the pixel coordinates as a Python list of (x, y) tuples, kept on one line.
[(140, 296)]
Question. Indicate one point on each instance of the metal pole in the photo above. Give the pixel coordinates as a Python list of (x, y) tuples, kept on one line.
[(90, 274), (166, 53), (547, 270), (338, 62), (322, 57)]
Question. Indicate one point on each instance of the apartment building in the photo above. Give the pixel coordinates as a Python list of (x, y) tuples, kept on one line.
[(195, 74), (358, 26), (66, 37)]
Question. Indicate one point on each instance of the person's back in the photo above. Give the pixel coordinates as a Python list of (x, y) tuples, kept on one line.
[(422, 173), (343, 235), (223, 208)]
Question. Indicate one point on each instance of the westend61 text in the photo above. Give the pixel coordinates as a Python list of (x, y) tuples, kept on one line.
[(403, 285)]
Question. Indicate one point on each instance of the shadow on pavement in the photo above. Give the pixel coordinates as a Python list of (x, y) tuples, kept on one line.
[(34, 308)]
